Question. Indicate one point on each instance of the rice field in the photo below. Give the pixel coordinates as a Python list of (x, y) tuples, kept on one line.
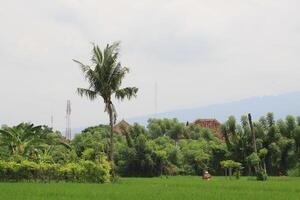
[(172, 188)]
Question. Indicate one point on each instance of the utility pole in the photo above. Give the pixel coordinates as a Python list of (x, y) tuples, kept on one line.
[(68, 121), (52, 121), (155, 98)]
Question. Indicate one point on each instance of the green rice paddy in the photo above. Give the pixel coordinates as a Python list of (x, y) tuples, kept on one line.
[(171, 188)]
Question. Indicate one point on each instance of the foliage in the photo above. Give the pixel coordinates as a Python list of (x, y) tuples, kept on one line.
[(91, 141), (159, 150), (295, 172), (164, 147), (261, 175), (84, 171), (37, 143), (276, 141), (253, 159), (230, 163)]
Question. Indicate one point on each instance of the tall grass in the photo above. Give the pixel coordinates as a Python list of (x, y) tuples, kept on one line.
[(173, 188)]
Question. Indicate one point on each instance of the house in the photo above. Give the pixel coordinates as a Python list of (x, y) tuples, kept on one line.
[(212, 124), (120, 127)]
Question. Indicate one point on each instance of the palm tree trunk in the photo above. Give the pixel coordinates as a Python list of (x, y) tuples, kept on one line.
[(111, 144), (264, 163), (249, 170), (256, 168), (230, 172), (253, 134), (228, 144)]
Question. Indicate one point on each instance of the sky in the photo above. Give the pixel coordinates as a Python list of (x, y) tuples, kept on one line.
[(198, 52)]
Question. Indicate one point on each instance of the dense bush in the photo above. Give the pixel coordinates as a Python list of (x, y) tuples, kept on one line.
[(83, 171), (295, 171), (261, 175), (153, 153)]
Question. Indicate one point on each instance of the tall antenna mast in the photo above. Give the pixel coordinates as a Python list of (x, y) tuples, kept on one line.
[(52, 121), (68, 120), (155, 98)]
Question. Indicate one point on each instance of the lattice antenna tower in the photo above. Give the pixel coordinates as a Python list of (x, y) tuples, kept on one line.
[(68, 121)]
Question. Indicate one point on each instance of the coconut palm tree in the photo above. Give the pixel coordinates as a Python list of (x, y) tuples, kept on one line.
[(105, 77)]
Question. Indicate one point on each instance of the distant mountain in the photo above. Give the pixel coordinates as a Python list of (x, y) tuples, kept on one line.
[(280, 105)]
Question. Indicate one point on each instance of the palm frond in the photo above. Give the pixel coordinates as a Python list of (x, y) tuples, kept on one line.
[(88, 93), (97, 57), (8, 134), (117, 74), (127, 92), (65, 144), (83, 67), (89, 73)]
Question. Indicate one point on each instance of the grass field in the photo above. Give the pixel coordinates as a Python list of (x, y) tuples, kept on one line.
[(158, 188)]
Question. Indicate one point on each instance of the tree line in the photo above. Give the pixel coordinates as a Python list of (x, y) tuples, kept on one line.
[(163, 147)]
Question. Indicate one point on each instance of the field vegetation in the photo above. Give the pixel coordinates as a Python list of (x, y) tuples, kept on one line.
[(181, 188)]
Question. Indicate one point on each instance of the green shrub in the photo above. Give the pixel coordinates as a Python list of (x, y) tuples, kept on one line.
[(295, 171), (27, 170), (104, 169), (83, 171), (261, 175), (9, 170), (48, 172), (71, 172), (237, 173), (95, 172)]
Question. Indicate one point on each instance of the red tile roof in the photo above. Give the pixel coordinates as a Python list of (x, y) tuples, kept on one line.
[(212, 124), (121, 126)]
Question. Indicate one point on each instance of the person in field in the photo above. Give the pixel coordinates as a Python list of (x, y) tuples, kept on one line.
[(206, 176)]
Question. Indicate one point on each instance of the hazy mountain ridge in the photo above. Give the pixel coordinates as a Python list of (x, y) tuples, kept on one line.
[(281, 105)]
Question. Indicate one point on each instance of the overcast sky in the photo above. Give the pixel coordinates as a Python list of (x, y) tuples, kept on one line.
[(199, 52)]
